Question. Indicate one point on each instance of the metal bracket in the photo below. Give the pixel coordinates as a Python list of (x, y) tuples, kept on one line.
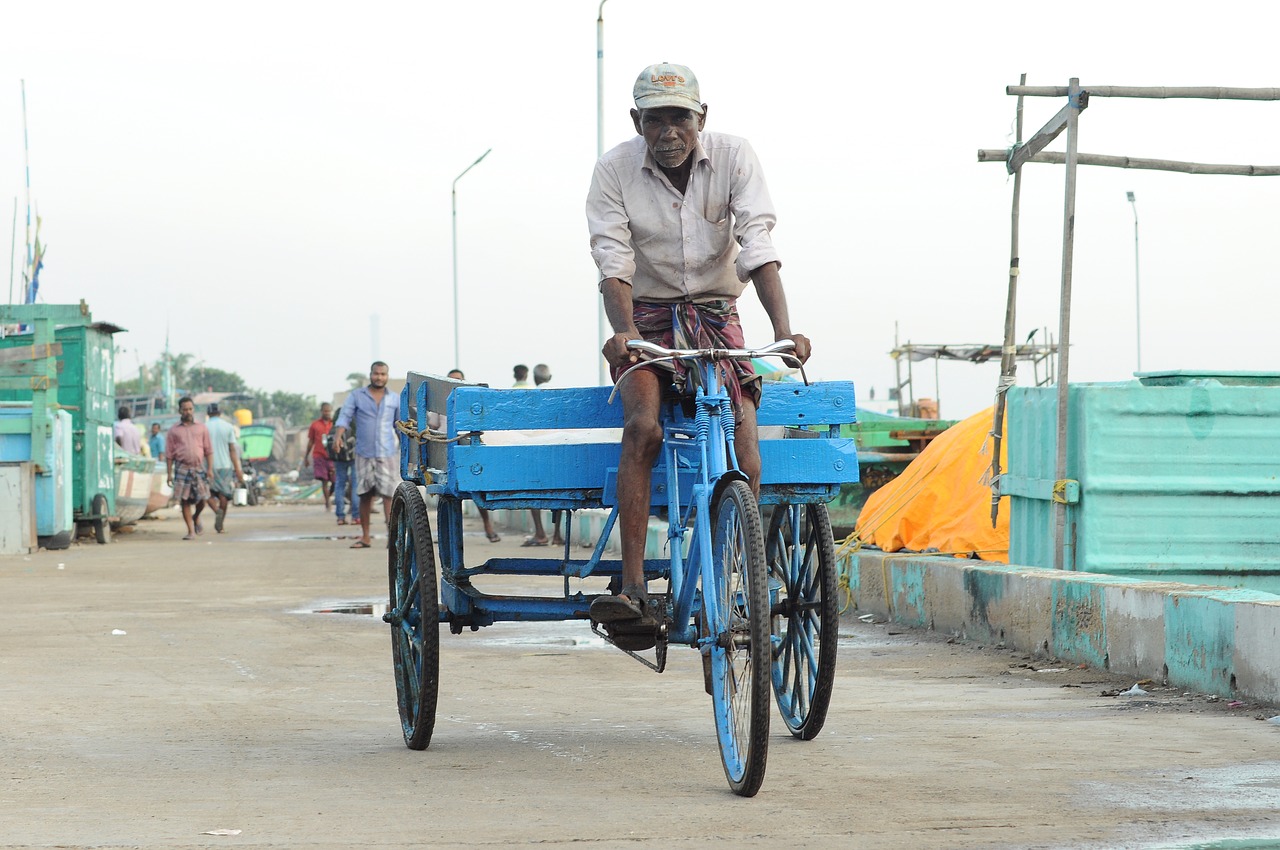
[(659, 648)]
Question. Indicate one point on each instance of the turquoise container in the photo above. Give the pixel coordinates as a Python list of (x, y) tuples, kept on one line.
[(54, 515), (1178, 478)]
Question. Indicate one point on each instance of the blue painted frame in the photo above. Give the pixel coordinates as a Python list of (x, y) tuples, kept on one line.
[(808, 464)]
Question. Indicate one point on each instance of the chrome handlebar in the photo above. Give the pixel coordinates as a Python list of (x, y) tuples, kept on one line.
[(782, 347)]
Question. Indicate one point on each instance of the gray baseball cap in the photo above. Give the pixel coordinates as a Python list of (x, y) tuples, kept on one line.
[(665, 84)]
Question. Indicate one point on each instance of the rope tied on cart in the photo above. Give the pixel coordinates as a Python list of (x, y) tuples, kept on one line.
[(426, 435)]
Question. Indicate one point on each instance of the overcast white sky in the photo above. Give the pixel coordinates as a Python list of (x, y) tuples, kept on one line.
[(259, 179)]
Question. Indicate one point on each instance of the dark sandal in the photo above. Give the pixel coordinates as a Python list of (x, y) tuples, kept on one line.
[(627, 605)]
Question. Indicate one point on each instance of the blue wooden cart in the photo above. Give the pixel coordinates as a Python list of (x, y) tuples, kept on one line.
[(516, 449)]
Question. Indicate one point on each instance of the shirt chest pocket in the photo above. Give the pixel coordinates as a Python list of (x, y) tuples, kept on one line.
[(708, 240)]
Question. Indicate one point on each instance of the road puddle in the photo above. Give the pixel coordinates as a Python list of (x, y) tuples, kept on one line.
[(352, 609)]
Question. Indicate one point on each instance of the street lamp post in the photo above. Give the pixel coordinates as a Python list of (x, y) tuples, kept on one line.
[(457, 359), (1137, 293), (600, 319)]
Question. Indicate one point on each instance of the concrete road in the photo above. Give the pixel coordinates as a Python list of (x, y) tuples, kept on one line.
[(153, 690)]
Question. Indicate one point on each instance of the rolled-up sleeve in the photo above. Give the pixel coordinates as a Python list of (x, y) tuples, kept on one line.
[(347, 413), (753, 214), (609, 225)]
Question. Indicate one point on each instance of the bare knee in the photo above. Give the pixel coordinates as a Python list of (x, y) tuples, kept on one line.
[(749, 463), (642, 439)]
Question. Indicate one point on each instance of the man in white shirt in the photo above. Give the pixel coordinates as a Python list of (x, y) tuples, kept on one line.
[(680, 220)]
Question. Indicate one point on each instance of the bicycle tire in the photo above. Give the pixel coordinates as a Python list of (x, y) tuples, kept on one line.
[(741, 654), (804, 619), (413, 613)]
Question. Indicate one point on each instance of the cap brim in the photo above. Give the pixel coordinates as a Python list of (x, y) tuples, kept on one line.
[(657, 101)]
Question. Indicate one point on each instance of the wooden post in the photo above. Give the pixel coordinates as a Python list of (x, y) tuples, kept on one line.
[(1058, 158), (1158, 92), (1064, 315), (1008, 354)]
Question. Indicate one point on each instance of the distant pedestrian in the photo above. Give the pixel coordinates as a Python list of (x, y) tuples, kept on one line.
[(373, 411), (344, 479), (226, 465), (318, 454), (125, 434), (156, 441), (541, 376), (186, 451), (521, 373)]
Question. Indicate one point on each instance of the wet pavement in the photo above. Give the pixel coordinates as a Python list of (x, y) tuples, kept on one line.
[(155, 691)]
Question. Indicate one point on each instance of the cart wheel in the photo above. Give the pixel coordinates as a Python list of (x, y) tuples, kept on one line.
[(414, 615), (101, 522), (740, 657), (804, 621)]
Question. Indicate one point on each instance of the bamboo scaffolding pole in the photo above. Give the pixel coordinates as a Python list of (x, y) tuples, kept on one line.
[(1064, 316), (1058, 158), (1009, 354), (1158, 92)]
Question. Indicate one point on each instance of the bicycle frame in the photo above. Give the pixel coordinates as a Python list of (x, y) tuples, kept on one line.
[(710, 438)]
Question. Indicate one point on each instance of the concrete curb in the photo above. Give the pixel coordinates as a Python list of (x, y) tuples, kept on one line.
[(1211, 640)]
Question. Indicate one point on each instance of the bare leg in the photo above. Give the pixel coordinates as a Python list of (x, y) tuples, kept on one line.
[(326, 487), (556, 518), (186, 517), (746, 443), (366, 511), (539, 533), (641, 442), (488, 526)]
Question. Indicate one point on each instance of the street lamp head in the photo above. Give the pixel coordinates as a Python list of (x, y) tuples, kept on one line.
[(1129, 195)]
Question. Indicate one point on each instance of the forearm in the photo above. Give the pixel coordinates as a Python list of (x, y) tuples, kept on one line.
[(768, 283), (618, 307)]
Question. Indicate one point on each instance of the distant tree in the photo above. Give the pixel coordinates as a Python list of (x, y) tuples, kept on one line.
[(356, 380), (178, 367), (293, 408), (151, 376), (204, 378)]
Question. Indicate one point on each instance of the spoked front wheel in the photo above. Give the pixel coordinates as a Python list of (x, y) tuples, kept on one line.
[(414, 615), (804, 621), (738, 619)]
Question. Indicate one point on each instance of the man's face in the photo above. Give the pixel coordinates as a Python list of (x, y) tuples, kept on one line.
[(187, 411), (326, 412), (669, 132), (155, 428), (378, 377)]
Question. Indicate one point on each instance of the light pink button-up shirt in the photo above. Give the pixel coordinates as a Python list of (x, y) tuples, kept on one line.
[(699, 246)]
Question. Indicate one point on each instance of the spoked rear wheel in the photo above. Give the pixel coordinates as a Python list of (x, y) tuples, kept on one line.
[(738, 617), (804, 621), (414, 615)]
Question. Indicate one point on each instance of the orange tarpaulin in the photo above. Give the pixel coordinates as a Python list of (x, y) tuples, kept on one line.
[(942, 501)]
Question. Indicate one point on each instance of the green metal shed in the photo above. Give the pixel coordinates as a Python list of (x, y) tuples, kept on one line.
[(72, 368)]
